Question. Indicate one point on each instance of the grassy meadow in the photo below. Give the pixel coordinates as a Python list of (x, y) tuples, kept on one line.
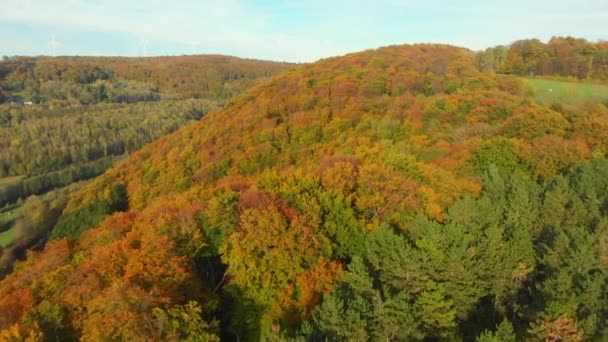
[(550, 92)]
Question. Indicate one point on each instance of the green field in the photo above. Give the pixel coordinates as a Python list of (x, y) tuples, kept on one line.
[(10, 213), (550, 92), (6, 237), (7, 216)]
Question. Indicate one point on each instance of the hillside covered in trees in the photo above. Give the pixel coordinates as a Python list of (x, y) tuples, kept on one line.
[(88, 80), (83, 112), (392, 194), (68, 119), (42, 147)]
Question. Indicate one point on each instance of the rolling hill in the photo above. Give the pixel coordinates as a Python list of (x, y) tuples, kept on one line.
[(127, 79), (395, 194)]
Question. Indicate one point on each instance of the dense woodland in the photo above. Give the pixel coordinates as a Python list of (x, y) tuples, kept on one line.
[(88, 80), (49, 147), (393, 194), (560, 56), (87, 111)]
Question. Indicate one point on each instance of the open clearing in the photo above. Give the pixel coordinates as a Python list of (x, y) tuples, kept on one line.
[(7, 237), (550, 92)]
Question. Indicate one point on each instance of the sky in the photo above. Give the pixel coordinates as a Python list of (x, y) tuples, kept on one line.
[(294, 31)]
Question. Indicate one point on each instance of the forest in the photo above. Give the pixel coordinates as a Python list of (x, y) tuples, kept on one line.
[(85, 110), (568, 57), (89, 80), (404, 193), (66, 120), (44, 147)]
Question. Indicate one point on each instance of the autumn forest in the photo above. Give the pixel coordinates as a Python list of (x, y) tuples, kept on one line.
[(405, 193)]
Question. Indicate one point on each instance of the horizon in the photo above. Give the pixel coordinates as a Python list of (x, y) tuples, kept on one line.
[(219, 54), (286, 31)]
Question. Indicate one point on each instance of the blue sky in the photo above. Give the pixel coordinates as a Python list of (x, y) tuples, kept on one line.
[(297, 31)]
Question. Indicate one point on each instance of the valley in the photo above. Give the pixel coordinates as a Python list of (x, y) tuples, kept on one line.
[(67, 120)]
